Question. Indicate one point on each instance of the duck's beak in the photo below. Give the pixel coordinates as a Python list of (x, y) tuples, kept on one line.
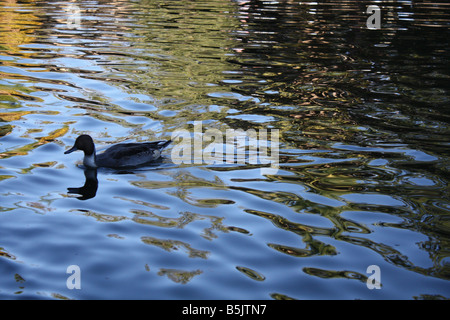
[(71, 150)]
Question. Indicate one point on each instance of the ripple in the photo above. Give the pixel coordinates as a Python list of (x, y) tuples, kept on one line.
[(252, 274)]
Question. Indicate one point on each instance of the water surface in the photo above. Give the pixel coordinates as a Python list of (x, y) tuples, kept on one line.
[(363, 117)]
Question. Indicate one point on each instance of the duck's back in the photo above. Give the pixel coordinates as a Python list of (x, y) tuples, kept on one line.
[(131, 154)]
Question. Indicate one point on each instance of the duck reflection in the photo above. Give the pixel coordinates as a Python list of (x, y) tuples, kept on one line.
[(89, 189)]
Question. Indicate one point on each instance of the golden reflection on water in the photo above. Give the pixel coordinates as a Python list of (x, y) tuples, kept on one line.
[(12, 32), (171, 245), (179, 276)]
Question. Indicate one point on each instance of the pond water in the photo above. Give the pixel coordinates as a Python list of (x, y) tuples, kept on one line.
[(362, 118)]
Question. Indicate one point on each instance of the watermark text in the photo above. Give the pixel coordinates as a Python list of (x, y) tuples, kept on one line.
[(237, 146)]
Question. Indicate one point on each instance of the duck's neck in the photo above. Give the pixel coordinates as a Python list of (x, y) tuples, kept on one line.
[(89, 160)]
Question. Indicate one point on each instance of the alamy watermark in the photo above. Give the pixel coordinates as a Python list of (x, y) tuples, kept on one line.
[(237, 146), (374, 20), (74, 280), (374, 280), (73, 16), (73, 21)]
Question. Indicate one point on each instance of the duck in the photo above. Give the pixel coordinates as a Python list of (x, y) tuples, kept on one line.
[(120, 155)]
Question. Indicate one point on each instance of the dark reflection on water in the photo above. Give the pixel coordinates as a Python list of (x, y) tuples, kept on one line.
[(89, 189), (364, 160)]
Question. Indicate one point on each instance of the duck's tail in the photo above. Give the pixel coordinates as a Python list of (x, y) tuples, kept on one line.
[(162, 144)]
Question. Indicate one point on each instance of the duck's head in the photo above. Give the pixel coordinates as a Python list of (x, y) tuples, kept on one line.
[(83, 143)]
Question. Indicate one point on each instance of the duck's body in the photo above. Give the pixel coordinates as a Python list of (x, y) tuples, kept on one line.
[(120, 155)]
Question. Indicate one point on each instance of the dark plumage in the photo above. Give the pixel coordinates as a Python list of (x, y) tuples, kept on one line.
[(120, 155)]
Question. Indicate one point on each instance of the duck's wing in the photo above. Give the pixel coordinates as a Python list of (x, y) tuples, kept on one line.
[(131, 154), (158, 144)]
